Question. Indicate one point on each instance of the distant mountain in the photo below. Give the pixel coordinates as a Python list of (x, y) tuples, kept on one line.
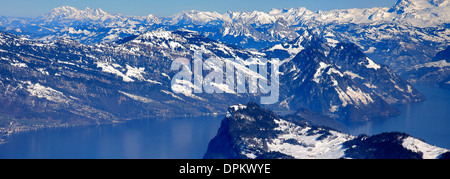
[(435, 72), (410, 32), (89, 26), (67, 13), (252, 132)]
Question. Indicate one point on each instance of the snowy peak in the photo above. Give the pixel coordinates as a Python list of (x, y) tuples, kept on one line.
[(439, 3), (414, 5), (411, 6), (195, 17), (68, 12), (61, 12), (158, 34), (422, 13), (256, 17)]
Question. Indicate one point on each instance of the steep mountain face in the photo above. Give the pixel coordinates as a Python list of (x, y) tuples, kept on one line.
[(312, 81), (337, 79), (379, 78), (251, 132)]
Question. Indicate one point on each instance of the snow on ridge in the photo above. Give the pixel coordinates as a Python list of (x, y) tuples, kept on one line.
[(172, 94), (109, 68), (131, 72), (372, 64), (438, 64), (186, 88), (68, 12), (428, 151), (137, 98), (319, 72), (309, 146), (352, 75), (291, 50), (238, 107), (48, 93), (355, 97)]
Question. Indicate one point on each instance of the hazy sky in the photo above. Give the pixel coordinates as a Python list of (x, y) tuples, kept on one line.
[(33, 8)]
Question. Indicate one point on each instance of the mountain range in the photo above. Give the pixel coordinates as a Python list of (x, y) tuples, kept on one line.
[(410, 32), (73, 67), (109, 82)]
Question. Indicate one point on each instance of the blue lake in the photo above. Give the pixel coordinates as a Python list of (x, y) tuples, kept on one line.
[(188, 138), (428, 120), (175, 138)]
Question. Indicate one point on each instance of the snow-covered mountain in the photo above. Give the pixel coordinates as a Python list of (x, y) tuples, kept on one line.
[(313, 81), (408, 33), (195, 17), (418, 13), (89, 26), (422, 13), (414, 13), (70, 13), (337, 78), (252, 132)]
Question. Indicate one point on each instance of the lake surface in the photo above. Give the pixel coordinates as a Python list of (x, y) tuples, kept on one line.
[(188, 138), (428, 120), (175, 138)]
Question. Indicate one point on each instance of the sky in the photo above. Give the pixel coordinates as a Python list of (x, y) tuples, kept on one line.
[(164, 8)]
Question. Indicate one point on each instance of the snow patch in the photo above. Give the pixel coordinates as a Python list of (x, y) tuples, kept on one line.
[(352, 75), (46, 92), (309, 146), (438, 64), (137, 98), (109, 68), (428, 151), (372, 64), (319, 71), (238, 107)]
